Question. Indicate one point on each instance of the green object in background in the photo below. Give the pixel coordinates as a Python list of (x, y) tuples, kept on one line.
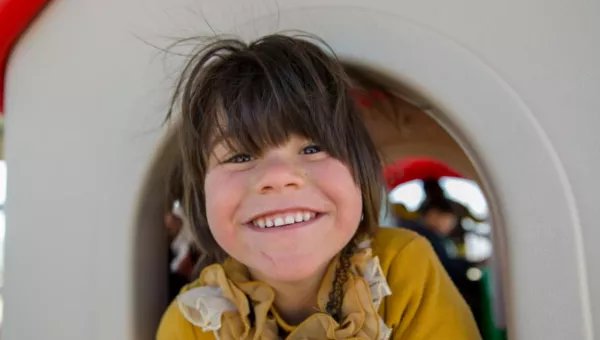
[(489, 329)]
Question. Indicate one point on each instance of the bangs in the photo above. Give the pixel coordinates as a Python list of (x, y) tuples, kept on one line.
[(263, 96)]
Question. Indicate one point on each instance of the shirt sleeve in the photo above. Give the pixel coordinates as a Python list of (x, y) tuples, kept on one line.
[(424, 303)]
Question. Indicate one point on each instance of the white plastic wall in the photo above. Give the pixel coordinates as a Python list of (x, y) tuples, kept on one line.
[(518, 81)]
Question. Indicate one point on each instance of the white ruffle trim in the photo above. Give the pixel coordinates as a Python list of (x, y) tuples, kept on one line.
[(204, 306), (384, 331)]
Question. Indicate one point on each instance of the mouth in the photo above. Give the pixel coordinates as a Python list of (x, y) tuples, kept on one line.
[(287, 219)]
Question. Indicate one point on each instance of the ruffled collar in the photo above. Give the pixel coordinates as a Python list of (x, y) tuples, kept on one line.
[(226, 301)]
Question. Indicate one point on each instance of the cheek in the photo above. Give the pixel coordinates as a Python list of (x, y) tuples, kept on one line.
[(451, 223), (223, 196), (445, 224), (335, 181)]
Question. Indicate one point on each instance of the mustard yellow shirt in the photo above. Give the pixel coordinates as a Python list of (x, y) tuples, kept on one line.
[(424, 303)]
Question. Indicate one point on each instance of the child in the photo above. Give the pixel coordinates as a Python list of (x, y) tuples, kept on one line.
[(281, 176)]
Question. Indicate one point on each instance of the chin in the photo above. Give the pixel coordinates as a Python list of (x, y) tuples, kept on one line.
[(288, 270)]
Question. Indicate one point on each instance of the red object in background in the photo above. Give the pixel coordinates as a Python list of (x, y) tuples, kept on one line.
[(365, 98), (15, 17), (409, 169)]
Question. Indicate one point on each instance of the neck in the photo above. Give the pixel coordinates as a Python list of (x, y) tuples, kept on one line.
[(295, 300)]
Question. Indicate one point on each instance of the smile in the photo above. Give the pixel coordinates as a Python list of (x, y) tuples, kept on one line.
[(284, 219)]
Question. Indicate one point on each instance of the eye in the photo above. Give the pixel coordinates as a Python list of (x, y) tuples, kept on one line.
[(241, 158), (311, 149)]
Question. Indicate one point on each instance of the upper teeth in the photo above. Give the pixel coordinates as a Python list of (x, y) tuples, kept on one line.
[(283, 219)]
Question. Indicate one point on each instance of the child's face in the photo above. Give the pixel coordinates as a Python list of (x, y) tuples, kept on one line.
[(293, 182), (442, 222)]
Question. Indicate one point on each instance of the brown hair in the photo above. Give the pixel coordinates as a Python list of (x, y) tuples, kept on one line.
[(255, 96)]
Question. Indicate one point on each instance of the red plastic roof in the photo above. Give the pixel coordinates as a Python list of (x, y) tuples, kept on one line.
[(15, 17), (408, 169)]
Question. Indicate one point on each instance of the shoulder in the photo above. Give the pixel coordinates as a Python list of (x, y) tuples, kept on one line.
[(388, 243), (408, 260), (424, 303), (405, 255)]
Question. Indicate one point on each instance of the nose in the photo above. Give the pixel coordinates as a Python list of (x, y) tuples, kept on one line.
[(278, 175)]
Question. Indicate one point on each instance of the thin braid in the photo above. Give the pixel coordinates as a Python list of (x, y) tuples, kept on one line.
[(334, 305)]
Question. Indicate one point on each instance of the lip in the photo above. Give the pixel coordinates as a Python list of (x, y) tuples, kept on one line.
[(281, 211), (288, 227)]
